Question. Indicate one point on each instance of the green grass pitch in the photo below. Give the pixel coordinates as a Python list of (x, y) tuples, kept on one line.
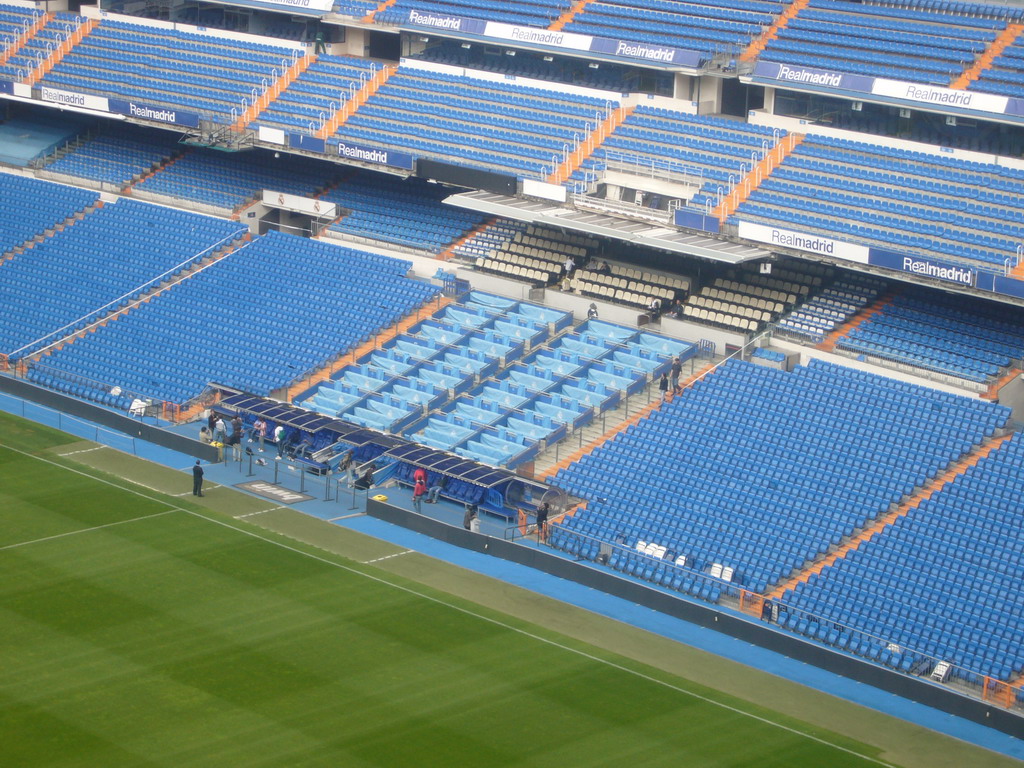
[(137, 630)]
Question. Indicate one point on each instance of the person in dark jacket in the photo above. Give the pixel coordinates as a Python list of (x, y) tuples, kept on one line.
[(197, 479), (542, 521)]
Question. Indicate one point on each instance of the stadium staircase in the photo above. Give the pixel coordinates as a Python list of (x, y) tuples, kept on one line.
[(298, 67), (368, 18), (590, 143), (61, 51), (830, 341), (926, 491), (58, 227), (1003, 40), (324, 374), (757, 46), (336, 120), (559, 24), (992, 393), (1018, 271), (449, 252), (623, 425), (745, 186), (168, 162), (24, 37)]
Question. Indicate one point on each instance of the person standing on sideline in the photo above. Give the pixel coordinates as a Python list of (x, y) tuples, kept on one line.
[(663, 386), (211, 420), (592, 312), (197, 479), (677, 370), (420, 475), (542, 521), (221, 431), (259, 431), (279, 439), (417, 495)]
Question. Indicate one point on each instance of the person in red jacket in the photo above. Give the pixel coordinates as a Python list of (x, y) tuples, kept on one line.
[(418, 492)]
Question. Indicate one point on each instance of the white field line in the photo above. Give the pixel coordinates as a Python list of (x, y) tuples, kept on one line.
[(460, 609), (88, 530)]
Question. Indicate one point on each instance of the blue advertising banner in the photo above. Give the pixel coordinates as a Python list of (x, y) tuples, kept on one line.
[(922, 266), (696, 220), (985, 281), (307, 142), (1008, 286), (647, 52), (159, 114), (376, 155), (790, 73), (447, 23)]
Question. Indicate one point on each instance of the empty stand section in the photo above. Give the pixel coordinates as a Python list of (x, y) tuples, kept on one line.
[(960, 337), (620, 78), (488, 125), (351, 102), (533, 13), (986, 59), (260, 299), (357, 8), (313, 97), (115, 157), (228, 181), (569, 15), (624, 284), (493, 379), (32, 207), (1005, 74), (706, 154), (273, 91), (58, 43), (939, 584), (215, 77), (18, 25), (927, 46), (109, 257), (769, 161), (746, 301), (772, 32), (573, 159), (892, 198), (403, 212), (722, 26), (382, 6), (759, 471)]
